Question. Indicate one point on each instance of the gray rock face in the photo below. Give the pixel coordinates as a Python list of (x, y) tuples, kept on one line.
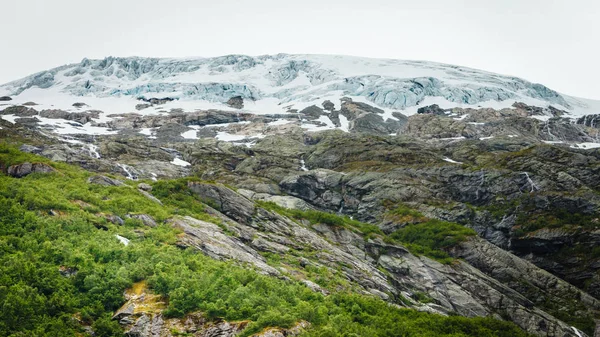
[(225, 200), (209, 238), (150, 196), (146, 219), (105, 181), (147, 326), (30, 149), (19, 110), (79, 117), (22, 170), (460, 288), (5, 99)]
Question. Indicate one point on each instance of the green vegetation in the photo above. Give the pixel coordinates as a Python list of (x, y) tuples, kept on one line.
[(315, 217), (45, 230), (430, 238), (424, 236), (528, 222), (401, 213)]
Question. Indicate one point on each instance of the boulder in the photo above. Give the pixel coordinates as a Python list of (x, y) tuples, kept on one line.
[(236, 102), (22, 170), (432, 109), (144, 187), (5, 99), (142, 106)]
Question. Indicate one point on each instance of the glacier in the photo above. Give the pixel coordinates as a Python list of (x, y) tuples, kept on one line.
[(280, 83)]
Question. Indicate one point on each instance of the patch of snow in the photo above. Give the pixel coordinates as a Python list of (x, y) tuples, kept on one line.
[(327, 121), (453, 138), (191, 134), (553, 141), (179, 162), (65, 127), (345, 124), (541, 118), (586, 146), (9, 118), (123, 240), (462, 117), (227, 137), (486, 138), (512, 136), (451, 161), (146, 131), (475, 123)]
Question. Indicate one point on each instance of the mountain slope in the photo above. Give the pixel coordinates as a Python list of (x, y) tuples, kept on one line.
[(335, 172)]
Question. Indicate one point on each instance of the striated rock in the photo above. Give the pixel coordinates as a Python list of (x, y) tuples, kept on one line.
[(315, 287), (105, 181), (22, 170), (211, 240), (150, 196), (146, 219), (225, 200)]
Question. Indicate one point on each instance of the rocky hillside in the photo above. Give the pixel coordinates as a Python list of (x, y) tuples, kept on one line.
[(385, 216)]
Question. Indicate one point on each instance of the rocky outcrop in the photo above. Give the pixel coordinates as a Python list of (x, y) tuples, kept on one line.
[(146, 219), (236, 102), (79, 117), (225, 200), (5, 99), (104, 181), (432, 109), (19, 110), (462, 288), (211, 240), (25, 169)]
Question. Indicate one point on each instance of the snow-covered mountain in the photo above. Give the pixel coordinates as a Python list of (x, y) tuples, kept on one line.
[(277, 83)]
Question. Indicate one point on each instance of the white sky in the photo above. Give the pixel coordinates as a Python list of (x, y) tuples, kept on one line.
[(556, 43)]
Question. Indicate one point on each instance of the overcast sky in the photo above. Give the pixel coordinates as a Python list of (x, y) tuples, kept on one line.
[(556, 43)]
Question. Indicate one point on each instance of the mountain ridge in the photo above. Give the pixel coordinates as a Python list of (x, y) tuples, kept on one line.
[(278, 81)]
